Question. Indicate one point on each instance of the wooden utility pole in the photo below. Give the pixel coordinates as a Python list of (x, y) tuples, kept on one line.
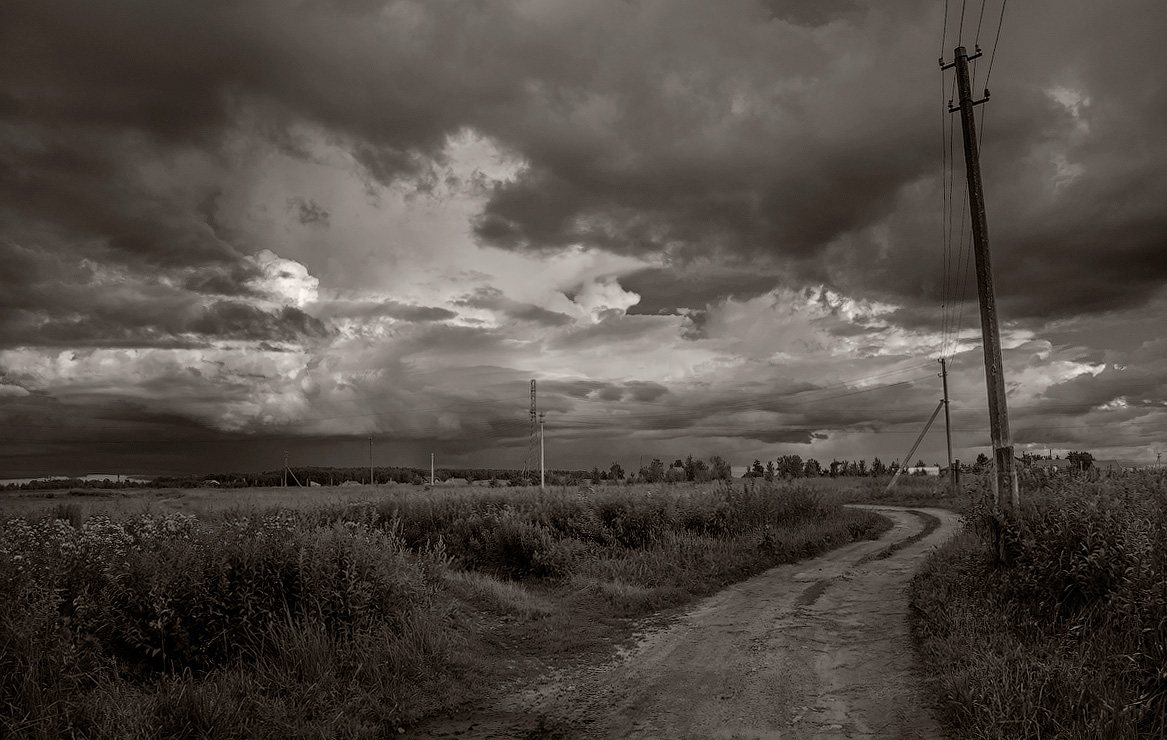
[(947, 421), (1005, 479)]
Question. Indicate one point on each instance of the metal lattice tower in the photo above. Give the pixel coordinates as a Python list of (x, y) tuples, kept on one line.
[(531, 462)]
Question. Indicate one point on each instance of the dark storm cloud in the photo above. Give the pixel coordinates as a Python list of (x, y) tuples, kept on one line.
[(802, 136), (74, 305), (235, 320), (612, 327), (493, 299), (1134, 387), (309, 212), (636, 390), (668, 289), (774, 413), (386, 308)]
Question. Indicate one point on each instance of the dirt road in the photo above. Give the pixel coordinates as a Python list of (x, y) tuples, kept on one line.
[(813, 650)]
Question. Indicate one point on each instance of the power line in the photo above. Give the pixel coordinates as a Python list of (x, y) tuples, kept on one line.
[(977, 38), (996, 40), (944, 32)]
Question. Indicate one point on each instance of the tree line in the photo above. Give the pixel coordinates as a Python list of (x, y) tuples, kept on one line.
[(690, 469)]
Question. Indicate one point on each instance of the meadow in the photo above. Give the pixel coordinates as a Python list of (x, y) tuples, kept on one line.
[(352, 612), (1061, 632)]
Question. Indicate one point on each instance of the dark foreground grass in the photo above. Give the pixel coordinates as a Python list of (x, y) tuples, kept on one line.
[(1066, 637), (354, 619)]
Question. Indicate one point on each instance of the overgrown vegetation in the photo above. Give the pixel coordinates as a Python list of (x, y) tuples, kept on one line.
[(1065, 636), (351, 619)]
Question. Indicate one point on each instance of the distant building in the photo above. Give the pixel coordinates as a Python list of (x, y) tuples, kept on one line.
[(1056, 464), (1114, 465), (933, 470)]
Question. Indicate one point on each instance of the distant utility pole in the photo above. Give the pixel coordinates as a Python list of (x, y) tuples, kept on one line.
[(432, 479), (370, 459), (947, 422), (542, 457), (1005, 480), (529, 461), (285, 469)]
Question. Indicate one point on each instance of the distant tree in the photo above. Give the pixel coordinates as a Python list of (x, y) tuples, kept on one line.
[(677, 464), (790, 466), (701, 472), (982, 463), (1080, 460), (836, 466), (770, 471), (919, 463), (862, 467), (596, 474), (655, 472), (756, 470), (878, 468), (720, 468), (812, 469), (690, 468), (616, 472)]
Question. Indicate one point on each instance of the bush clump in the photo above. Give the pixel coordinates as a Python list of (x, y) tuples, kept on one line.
[(1061, 631)]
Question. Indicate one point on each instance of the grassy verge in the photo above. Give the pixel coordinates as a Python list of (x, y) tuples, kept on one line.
[(1067, 636), (353, 618), (910, 490)]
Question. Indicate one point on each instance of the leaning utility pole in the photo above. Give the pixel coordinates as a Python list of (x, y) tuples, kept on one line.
[(947, 422), (908, 459), (1005, 480)]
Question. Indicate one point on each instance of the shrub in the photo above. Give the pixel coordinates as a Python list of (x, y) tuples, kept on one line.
[(1066, 634)]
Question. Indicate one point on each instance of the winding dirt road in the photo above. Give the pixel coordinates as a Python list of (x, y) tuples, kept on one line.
[(818, 649)]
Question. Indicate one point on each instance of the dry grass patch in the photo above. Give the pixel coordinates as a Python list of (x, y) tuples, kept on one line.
[(350, 618)]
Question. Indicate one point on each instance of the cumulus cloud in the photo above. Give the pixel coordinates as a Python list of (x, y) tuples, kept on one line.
[(284, 281)]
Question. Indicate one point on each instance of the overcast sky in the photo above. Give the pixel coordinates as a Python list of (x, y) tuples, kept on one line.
[(230, 229)]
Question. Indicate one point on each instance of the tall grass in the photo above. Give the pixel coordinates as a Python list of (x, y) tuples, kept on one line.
[(1064, 633), (343, 620)]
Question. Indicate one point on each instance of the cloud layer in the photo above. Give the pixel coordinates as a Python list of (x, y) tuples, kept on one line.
[(713, 226)]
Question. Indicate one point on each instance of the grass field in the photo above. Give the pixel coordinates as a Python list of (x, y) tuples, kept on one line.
[(1066, 636), (350, 612)]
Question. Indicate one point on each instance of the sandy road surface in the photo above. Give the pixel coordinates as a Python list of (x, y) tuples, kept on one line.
[(814, 650)]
